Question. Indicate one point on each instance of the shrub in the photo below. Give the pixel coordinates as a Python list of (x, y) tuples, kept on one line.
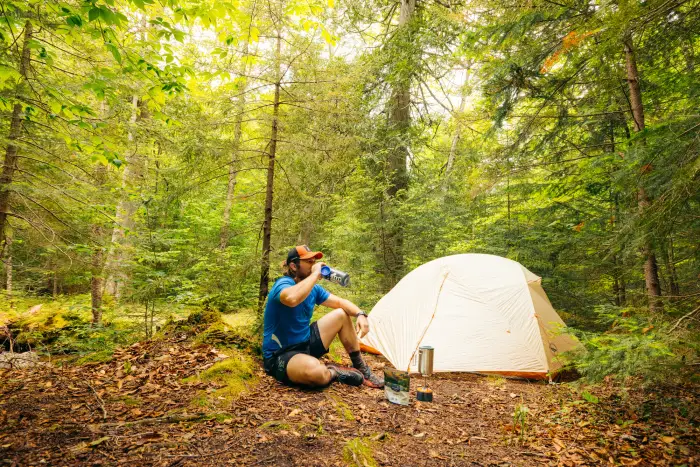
[(634, 345)]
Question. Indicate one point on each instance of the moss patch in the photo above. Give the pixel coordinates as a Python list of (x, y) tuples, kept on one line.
[(496, 381), (232, 331), (358, 452), (274, 425), (342, 409), (127, 400), (242, 319), (234, 376), (62, 326), (101, 356)]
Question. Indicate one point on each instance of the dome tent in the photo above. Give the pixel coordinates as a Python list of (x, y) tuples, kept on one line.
[(482, 313)]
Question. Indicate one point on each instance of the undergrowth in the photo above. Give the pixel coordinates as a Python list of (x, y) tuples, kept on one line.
[(634, 345)]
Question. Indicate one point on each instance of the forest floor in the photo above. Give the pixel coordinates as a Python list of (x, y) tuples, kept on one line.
[(138, 409)]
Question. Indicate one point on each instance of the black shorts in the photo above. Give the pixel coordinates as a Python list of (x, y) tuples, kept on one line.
[(276, 365)]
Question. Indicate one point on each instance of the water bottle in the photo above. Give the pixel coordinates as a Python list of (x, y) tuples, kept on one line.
[(333, 275)]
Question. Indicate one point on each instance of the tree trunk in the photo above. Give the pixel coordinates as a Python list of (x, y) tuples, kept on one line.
[(96, 280), (118, 254), (669, 262), (458, 128), (687, 47), (619, 292), (399, 126), (8, 267), (233, 166), (10, 163), (307, 228), (267, 225), (651, 272), (97, 266)]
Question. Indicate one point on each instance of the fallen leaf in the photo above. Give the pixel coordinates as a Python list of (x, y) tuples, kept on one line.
[(433, 454), (99, 441), (558, 444), (513, 395), (294, 412), (79, 447), (627, 461), (668, 439), (419, 435)]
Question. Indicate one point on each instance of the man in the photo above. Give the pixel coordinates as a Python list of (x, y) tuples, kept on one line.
[(292, 347)]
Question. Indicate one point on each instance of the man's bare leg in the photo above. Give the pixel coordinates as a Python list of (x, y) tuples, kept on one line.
[(338, 323), (305, 369), (309, 371)]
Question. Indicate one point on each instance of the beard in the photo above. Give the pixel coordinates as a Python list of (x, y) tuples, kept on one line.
[(301, 275), (297, 273)]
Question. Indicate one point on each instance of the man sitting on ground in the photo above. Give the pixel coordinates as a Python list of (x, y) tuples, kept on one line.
[(292, 347)]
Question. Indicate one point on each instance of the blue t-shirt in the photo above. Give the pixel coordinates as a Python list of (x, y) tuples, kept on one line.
[(284, 325)]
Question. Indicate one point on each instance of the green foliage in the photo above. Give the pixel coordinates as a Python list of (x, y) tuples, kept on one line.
[(630, 347), (520, 419), (358, 452), (588, 397), (63, 327)]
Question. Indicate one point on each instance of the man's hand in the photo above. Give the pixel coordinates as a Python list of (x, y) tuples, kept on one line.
[(316, 268), (362, 326)]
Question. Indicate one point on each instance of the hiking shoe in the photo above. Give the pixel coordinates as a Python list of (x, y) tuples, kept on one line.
[(373, 381), (370, 379), (345, 375)]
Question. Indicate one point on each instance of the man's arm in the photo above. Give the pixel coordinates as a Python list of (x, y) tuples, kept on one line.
[(334, 301), (362, 325), (294, 295)]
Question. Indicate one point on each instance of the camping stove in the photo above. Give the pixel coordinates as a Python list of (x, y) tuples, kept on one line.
[(425, 368)]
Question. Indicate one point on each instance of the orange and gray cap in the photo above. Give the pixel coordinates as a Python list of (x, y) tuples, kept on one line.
[(302, 252)]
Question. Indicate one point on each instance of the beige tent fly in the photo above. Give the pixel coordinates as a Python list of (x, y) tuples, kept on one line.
[(481, 313)]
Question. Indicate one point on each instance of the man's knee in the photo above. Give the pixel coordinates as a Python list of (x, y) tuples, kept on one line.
[(317, 374), (340, 315)]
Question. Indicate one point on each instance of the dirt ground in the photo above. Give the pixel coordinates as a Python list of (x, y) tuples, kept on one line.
[(137, 410)]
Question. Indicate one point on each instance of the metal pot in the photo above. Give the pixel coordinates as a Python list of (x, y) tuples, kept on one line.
[(425, 360)]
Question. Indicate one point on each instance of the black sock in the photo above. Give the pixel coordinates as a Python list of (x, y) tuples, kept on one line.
[(357, 362)]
